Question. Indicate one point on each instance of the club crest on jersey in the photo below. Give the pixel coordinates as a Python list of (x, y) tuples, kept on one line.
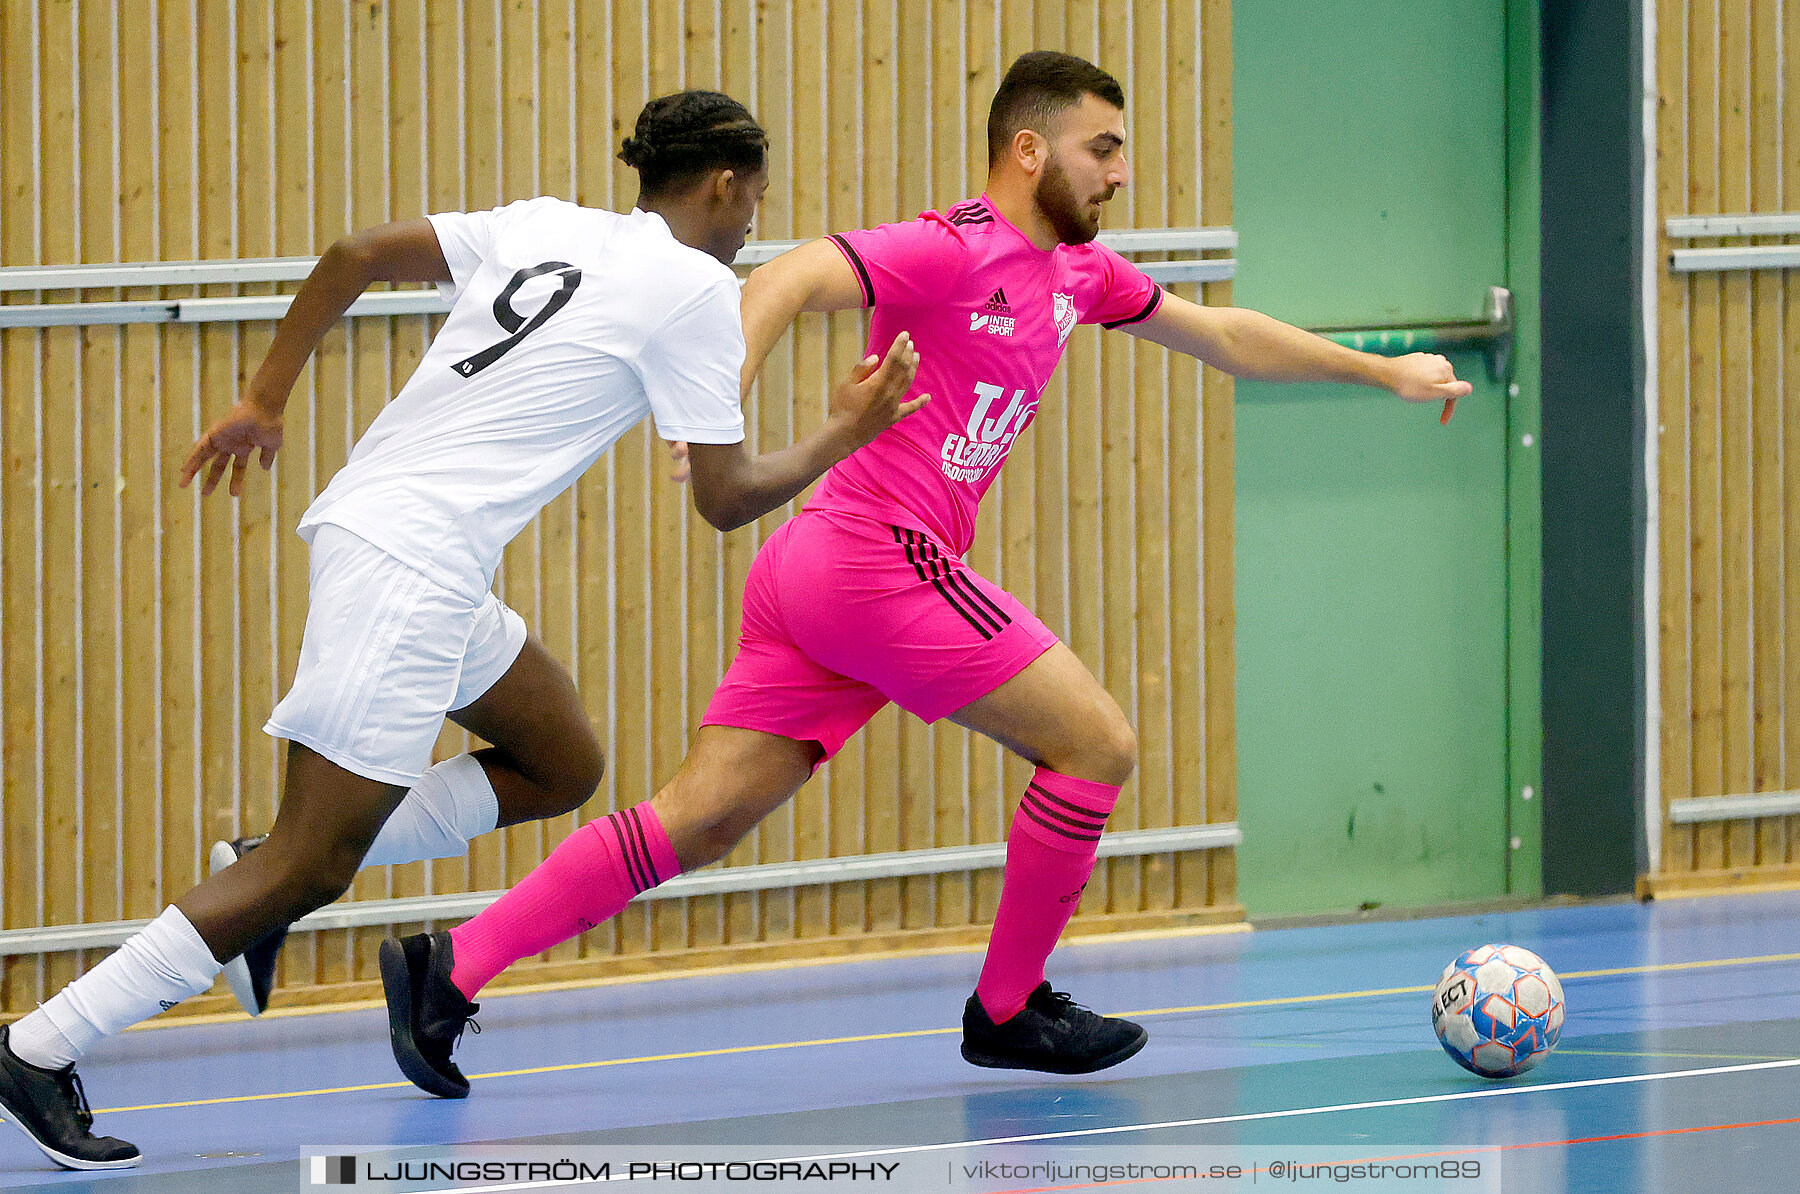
[(1063, 310)]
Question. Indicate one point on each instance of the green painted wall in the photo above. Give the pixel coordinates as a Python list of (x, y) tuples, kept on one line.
[(1524, 472), (1386, 609)]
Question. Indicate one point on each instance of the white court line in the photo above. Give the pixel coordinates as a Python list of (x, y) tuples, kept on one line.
[(1484, 1093)]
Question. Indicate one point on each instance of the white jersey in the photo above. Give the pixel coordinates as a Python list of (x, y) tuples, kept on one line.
[(569, 325)]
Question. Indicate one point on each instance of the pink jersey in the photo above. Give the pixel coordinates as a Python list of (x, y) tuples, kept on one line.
[(990, 313)]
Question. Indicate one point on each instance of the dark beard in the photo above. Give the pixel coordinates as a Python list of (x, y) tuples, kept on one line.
[(1056, 199)]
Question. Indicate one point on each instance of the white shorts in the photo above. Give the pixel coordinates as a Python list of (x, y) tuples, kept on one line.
[(387, 653)]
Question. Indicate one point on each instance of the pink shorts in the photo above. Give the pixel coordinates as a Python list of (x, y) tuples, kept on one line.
[(843, 614)]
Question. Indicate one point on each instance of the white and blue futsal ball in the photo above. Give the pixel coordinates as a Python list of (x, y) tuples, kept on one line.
[(1498, 1010)]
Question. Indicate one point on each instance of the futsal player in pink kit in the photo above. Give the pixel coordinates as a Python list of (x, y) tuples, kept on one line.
[(864, 597)]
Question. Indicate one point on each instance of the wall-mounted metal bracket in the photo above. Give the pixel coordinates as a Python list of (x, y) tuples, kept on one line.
[(1491, 335)]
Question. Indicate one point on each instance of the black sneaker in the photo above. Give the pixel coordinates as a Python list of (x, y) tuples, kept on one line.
[(250, 975), (426, 1013), (50, 1107), (1052, 1033)]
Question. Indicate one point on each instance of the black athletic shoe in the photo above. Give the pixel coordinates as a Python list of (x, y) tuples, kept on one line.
[(50, 1107), (1053, 1033), (426, 1013), (250, 975)]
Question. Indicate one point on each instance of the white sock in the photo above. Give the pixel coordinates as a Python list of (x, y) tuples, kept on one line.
[(36, 1038), (152, 972), (451, 803)]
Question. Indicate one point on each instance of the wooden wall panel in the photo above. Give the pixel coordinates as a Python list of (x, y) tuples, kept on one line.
[(145, 634), (1728, 141), (1788, 356)]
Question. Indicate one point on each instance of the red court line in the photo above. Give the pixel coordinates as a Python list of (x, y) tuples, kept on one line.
[(1755, 1123), (1506, 1148), (1461, 1152)]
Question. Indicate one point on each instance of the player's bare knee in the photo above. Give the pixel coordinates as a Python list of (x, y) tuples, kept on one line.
[(1118, 752), (576, 784), (707, 843), (1107, 753), (310, 883), (699, 835)]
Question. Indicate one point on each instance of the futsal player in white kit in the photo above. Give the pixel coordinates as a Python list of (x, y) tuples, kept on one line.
[(569, 325)]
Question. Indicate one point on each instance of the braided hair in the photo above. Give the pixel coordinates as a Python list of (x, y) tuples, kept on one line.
[(683, 136)]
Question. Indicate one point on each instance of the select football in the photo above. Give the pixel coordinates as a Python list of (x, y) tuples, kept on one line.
[(1498, 1010)]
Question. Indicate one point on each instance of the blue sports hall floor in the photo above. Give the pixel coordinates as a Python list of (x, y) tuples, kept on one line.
[(1679, 1066)]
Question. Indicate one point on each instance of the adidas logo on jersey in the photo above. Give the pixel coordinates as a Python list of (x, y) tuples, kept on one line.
[(998, 317)]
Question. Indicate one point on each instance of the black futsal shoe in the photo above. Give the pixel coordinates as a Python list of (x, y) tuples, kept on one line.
[(250, 975), (50, 1107), (1053, 1033), (426, 1013)]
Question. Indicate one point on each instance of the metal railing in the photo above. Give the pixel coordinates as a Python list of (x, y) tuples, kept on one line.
[(1732, 257), (402, 302), (1694, 810), (1129, 843), (1491, 335), (264, 270)]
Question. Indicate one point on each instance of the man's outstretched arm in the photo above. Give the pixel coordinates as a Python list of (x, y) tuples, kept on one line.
[(1257, 347), (404, 251)]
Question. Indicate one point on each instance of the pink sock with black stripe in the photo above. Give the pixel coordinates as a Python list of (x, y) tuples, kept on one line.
[(586, 880), (1049, 855)]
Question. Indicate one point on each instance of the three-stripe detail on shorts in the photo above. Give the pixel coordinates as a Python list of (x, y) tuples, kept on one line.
[(634, 848), (953, 584), (1059, 815)]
